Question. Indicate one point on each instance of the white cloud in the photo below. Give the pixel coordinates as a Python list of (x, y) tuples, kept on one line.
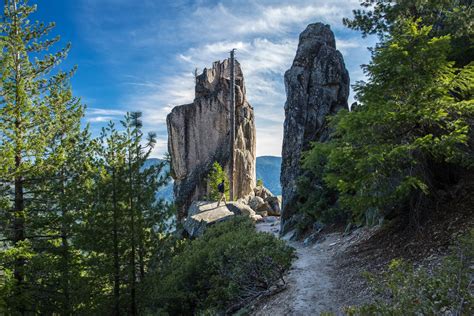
[(269, 140), (100, 115), (265, 33)]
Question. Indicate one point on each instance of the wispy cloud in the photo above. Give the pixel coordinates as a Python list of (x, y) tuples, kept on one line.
[(100, 115), (163, 51)]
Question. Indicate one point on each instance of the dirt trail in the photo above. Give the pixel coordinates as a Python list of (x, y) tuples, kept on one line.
[(314, 285)]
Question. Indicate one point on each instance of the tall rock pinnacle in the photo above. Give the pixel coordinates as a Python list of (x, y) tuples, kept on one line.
[(199, 134), (317, 85)]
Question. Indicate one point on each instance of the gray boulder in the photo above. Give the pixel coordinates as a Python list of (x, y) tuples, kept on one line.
[(262, 192), (201, 215), (265, 207), (275, 205), (240, 209), (246, 199), (256, 202), (317, 86)]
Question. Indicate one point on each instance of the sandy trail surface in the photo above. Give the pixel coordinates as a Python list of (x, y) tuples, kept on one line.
[(313, 284)]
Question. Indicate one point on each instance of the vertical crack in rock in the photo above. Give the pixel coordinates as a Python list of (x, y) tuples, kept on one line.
[(317, 85), (198, 135)]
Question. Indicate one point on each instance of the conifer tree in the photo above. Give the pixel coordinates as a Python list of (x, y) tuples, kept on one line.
[(143, 183), (103, 231), (120, 232), (446, 17), (37, 113)]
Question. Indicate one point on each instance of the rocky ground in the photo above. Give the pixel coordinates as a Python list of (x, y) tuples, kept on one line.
[(314, 284)]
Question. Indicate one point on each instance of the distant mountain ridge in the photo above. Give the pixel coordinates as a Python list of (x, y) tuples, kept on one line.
[(268, 169), (165, 193)]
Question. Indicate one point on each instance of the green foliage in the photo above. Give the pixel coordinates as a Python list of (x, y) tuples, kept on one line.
[(79, 219), (226, 268), (39, 129), (6, 286), (259, 183), (415, 115), (317, 201), (216, 175), (446, 17), (125, 225), (404, 290)]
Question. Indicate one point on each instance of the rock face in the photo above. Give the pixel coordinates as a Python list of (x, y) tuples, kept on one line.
[(203, 214), (317, 85), (199, 134)]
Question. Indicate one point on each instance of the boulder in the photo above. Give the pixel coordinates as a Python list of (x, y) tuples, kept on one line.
[(203, 214), (246, 199), (240, 209), (242, 201), (256, 202), (257, 218), (199, 135), (275, 205), (317, 86), (262, 192), (265, 207)]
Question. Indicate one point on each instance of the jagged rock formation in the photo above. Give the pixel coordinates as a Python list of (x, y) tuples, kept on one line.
[(199, 134), (317, 85)]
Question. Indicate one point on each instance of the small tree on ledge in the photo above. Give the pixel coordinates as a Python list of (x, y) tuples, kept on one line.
[(216, 175)]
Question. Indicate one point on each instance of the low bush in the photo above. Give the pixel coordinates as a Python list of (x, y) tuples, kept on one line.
[(229, 266), (403, 290)]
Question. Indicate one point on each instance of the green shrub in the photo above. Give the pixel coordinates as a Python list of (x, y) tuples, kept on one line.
[(402, 290), (316, 201), (215, 177), (6, 283), (259, 183), (227, 267)]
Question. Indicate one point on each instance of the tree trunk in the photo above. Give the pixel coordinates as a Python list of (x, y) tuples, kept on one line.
[(19, 211), (65, 250), (133, 306), (116, 249)]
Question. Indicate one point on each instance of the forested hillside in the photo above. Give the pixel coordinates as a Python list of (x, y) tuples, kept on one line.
[(166, 192)]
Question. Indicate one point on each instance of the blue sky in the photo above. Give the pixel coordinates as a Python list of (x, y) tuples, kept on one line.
[(141, 55)]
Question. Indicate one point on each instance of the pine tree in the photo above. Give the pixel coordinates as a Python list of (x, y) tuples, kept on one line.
[(104, 230), (36, 107), (121, 230), (446, 17), (56, 208), (143, 184)]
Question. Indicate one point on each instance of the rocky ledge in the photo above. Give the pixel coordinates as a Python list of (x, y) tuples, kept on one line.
[(257, 206)]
